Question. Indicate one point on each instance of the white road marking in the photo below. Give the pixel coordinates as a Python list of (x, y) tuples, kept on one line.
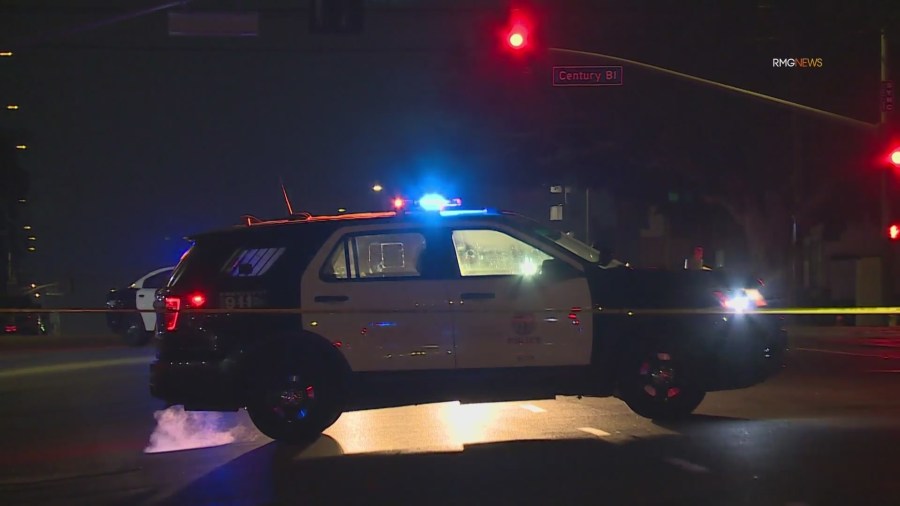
[(73, 366), (533, 408), (686, 466), (595, 432)]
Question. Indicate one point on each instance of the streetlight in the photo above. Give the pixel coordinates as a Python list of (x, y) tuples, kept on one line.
[(377, 188)]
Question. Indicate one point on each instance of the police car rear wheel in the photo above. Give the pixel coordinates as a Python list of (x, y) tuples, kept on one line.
[(297, 402), (653, 387), (293, 413)]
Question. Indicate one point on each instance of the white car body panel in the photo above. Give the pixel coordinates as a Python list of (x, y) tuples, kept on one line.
[(412, 323), (382, 325), (145, 297), (519, 320)]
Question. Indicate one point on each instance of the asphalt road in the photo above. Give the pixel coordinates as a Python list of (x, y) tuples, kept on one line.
[(78, 427)]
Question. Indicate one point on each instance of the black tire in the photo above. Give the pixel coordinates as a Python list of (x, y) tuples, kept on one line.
[(652, 384), (299, 392), (135, 334)]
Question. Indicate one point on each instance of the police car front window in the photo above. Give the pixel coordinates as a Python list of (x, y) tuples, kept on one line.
[(565, 241), (493, 253), (579, 248)]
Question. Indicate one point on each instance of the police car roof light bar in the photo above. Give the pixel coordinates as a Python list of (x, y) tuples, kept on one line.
[(437, 202)]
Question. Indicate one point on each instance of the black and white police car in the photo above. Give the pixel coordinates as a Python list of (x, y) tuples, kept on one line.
[(300, 319), (136, 328)]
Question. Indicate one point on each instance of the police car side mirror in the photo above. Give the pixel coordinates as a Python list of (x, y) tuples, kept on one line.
[(557, 270)]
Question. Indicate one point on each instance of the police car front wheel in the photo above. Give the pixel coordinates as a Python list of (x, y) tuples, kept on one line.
[(652, 386), (135, 334)]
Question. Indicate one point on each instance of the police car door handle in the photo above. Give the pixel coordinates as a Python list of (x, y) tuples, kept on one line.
[(331, 298), (476, 296)]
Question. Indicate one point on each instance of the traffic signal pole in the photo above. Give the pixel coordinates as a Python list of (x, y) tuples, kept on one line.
[(887, 254), (727, 87), (875, 128), (882, 126)]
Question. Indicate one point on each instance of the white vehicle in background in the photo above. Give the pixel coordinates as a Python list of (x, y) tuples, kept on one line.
[(136, 329)]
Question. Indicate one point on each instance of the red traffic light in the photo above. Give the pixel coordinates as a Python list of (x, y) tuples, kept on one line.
[(518, 30), (894, 232), (894, 158), (518, 36)]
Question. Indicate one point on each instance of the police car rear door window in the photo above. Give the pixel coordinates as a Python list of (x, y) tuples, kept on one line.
[(377, 293), (342, 263), (387, 255)]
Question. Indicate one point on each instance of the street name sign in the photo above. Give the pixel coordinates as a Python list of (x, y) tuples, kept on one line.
[(587, 76)]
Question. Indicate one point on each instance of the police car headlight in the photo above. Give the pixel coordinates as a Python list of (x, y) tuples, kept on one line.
[(741, 300)]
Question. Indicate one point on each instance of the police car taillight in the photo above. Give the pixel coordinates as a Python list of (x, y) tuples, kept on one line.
[(170, 317), (573, 315), (174, 305), (197, 300)]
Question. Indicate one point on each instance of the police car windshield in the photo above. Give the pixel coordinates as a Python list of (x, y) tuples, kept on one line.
[(565, 241)]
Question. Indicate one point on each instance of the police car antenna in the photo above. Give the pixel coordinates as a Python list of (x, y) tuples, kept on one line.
[(287, 199)]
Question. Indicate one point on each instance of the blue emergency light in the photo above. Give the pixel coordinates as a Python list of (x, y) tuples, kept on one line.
[(433, 202), (437, 203)]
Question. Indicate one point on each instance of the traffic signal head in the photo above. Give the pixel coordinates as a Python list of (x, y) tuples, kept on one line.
[(517, 37), (894, 231), (518, 31), (894, 158)]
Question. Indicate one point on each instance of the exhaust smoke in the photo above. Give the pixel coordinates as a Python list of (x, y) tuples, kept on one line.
[(177, 429)]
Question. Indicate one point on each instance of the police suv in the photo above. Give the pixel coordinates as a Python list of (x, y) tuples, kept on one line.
[(136, 328), (300, 319)]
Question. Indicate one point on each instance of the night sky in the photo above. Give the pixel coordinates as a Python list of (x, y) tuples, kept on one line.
[(138, 139)]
